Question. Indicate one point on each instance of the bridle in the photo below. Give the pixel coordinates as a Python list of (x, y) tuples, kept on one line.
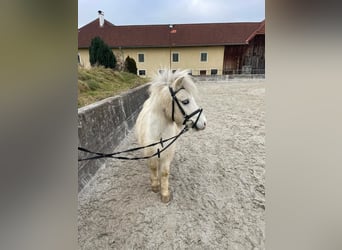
[(186, 117)]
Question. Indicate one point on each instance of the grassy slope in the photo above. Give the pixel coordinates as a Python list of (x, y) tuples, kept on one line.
[(98, 83)]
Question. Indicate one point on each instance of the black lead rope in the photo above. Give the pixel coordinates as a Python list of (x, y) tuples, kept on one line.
[(161, 142), (112, 155)]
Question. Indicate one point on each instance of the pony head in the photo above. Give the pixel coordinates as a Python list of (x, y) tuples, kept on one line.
[(177, 95)]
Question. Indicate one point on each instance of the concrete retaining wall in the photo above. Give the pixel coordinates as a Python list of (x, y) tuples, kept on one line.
[(102, 126)]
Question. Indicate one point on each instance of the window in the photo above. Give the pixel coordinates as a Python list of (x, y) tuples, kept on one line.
[(173, 71), (141, 58), (213, 72), (204, 56), (142, 72), (203, 72), (175, 57)]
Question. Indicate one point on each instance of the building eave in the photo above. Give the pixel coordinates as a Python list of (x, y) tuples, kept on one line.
[(173, 46)]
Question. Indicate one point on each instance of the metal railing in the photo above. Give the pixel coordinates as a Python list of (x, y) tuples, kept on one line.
[(213, 72)]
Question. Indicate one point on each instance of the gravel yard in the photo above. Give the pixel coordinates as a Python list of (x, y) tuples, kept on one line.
[(217, 179)]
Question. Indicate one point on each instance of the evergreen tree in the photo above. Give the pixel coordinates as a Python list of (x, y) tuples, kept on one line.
[(101, 54), (130, 65)]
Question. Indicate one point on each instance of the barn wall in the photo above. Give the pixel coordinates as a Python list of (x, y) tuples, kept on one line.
[(159, 58), (245, 58), (189, 58), (233, 59), (254, 56)]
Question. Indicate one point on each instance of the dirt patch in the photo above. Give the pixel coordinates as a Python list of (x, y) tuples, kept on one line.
[(217, 180)]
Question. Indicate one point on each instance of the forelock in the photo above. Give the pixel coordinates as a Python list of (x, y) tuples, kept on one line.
[(168, 78)]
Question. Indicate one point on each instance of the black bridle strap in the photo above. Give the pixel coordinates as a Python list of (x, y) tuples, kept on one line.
[(174, 99), (180, 107), (186, 117)]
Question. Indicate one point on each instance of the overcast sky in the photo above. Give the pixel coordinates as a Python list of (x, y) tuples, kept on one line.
[(130, 12)]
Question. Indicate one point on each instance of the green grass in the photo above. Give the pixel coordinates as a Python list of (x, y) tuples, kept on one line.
[(99, 83)]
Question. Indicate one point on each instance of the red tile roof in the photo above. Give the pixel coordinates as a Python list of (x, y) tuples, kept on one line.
[(259, 31), (206, 34)]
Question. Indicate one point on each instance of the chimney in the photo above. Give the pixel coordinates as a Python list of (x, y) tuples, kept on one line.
[(101, 18)]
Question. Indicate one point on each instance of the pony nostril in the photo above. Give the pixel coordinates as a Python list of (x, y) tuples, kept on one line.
[(205, 124)]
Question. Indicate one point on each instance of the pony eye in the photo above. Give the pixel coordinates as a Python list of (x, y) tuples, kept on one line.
[(186, 101)]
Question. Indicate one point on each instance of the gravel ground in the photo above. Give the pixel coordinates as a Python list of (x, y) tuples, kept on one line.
[(217, 179)]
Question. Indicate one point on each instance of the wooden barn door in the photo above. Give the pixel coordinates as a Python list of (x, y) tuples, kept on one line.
[(232, 61)]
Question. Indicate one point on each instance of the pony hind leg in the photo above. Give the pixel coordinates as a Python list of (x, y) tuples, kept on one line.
[(154, 167)]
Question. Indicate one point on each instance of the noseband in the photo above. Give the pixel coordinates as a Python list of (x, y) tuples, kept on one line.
[(186, 117)]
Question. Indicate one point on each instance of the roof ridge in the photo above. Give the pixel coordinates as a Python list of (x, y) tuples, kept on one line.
[(156, 35), (163, 24)]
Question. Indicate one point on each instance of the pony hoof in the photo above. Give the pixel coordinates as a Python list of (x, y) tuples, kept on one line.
[(155, 189), (166, 198)]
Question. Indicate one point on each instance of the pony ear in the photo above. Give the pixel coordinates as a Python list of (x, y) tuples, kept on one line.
[(178, 82)]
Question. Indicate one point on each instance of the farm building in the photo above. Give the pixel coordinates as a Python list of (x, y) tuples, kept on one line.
[(205, 49)]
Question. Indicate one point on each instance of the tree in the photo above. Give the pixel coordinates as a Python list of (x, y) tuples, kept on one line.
[(130, 65), (101, 54)]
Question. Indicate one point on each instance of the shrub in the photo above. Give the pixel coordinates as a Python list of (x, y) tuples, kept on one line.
[(130, 65), (101, 54)]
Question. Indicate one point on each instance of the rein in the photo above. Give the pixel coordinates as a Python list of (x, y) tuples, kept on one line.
[(112, 155), (161, 142)]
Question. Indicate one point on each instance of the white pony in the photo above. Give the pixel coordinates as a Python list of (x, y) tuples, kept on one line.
[(170, 105)]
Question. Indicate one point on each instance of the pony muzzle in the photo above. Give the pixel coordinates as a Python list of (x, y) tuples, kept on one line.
[(198, 124)]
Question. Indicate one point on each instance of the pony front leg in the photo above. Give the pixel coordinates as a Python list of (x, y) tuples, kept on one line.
[(164, 181), (154, 165)]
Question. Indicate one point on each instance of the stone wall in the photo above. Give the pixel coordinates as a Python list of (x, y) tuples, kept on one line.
[(102, 126)]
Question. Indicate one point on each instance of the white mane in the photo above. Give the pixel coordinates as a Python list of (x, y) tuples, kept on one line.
[(168, 78)]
